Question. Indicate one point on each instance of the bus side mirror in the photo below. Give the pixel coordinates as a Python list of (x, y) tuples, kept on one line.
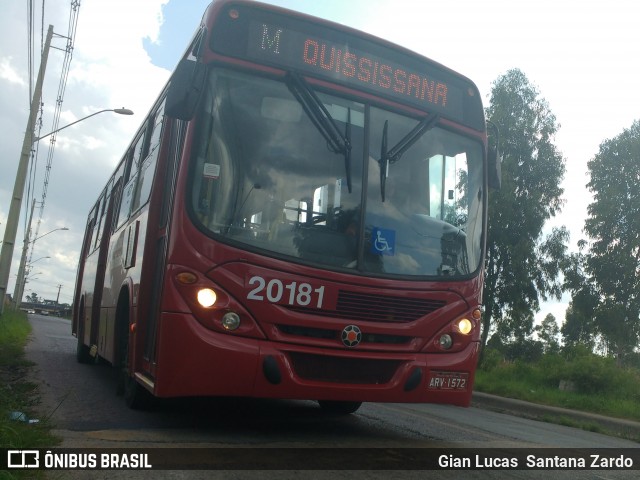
[(185, 88), (495, 168)]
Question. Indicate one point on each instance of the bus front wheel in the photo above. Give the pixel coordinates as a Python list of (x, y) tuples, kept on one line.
[(135, 395)]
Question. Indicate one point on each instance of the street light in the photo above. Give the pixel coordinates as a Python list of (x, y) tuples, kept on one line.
[(18, 188), (31, 263), (45, 234), (27, 273), (27, 277), (18, 291), (119, 111), (29, 266)]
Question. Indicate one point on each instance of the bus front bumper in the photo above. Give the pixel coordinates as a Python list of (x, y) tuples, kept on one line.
[(195, 361)]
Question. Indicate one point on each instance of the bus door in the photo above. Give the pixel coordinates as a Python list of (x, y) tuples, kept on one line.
[(78, 312), (104, 226)]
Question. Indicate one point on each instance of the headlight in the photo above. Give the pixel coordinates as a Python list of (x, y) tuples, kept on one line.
[(465, 326), (206, 297)]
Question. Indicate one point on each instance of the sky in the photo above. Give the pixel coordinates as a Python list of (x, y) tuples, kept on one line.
[(582, 56)]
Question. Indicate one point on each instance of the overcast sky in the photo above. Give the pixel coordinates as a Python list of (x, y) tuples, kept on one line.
[(583, 56)]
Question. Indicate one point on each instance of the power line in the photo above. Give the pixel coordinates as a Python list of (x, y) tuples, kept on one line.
[(71, 35), (30, 40), (42, 28)]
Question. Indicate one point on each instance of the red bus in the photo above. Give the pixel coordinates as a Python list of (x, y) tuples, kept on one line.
[(302, 215)]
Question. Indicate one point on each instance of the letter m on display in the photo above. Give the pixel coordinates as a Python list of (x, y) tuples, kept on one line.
[(271, 42)]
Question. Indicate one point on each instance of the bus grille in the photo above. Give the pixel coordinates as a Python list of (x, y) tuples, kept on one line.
[(328, 334), (361, 371), (377, 308)]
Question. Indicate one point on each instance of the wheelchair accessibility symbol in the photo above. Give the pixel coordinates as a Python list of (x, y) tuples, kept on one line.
[(383, 241)]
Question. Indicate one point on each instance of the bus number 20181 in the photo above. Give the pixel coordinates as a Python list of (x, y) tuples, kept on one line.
[(294, 293)]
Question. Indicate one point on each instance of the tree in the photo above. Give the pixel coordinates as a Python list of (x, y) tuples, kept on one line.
[(523, 266), (613, 225), (579, 326), (33, 298), (548, 332)]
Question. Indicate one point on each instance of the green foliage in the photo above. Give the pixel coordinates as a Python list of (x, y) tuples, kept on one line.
[(605, 281), (579, 328), (524, 350), (523, 266), (491, 360), (16, 393), (548, 332), (591, 374), (33, 298), (519, 348), (599, 384), (14, 330)]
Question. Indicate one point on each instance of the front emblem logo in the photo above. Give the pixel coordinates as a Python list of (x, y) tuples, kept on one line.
[(351, 336)]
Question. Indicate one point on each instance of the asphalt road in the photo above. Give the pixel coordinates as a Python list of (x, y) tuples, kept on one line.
[(81, 401)]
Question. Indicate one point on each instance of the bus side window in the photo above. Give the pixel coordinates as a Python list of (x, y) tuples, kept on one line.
[(154, 137), (130, 167), (119, 179), (144, 184), (148, 166), (127, 198), (138, 150), (91, 222), (96, 224), (106, 197)]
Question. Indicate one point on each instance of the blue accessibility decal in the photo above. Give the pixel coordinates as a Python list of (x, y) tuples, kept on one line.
[(383, 241)]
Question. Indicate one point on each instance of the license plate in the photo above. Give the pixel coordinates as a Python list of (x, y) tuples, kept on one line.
[(448, 381)]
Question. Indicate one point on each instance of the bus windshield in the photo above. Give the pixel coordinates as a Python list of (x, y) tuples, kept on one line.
[(265, 177)]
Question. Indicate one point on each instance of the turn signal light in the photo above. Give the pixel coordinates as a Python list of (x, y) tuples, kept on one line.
[(186, 278)]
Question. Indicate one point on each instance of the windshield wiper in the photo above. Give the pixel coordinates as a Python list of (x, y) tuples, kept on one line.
[(323, 121), (388, 157)]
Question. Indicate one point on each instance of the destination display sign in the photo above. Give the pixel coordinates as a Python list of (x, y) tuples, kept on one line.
[(340, 56)]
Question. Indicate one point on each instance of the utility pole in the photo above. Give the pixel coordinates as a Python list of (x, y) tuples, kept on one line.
[(18, 188), (58, 297), (18, 291)]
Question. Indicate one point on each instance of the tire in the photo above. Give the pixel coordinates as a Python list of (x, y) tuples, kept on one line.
[(339, 408), (135, 395), (82, 351), (83, 354)]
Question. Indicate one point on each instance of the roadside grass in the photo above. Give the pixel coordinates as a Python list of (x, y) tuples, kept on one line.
[(592, 383), (18, 395)]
